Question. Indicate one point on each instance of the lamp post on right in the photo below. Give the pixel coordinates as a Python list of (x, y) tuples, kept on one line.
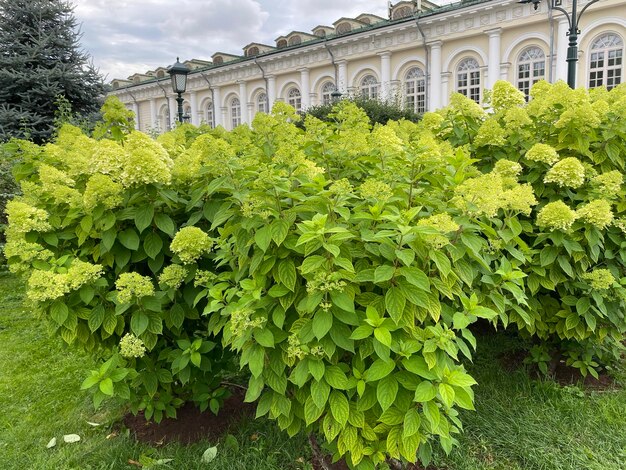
[(573, 18)]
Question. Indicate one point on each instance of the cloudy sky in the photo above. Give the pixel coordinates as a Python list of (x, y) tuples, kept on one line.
[(128, 36)]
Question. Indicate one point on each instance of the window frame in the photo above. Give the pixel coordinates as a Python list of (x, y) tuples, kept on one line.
[(415, 98), (369, 87), (611, 75), (468, 81)]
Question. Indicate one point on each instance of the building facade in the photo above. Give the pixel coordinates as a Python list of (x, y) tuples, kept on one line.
[(416, 56)]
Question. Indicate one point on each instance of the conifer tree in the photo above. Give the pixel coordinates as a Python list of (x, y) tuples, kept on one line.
[(41, 60)]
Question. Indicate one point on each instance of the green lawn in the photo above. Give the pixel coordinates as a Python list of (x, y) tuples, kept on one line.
[(519, 424)]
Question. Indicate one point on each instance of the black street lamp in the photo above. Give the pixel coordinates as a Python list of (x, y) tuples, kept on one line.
[(573, 19), (335, 96), (178, 73)]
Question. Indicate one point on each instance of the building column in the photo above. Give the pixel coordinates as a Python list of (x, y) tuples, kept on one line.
[(217, 107), (173, 111), (385, 75), (445, 88), (153, 114), (243, 100), (436, 85), (306, 88), (271, 92), (562, 41), (493, 71), (504, 71), (342, 76), (136, 111), (193, 103)]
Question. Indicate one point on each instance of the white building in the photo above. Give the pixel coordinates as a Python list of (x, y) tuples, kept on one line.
[(416, 56)]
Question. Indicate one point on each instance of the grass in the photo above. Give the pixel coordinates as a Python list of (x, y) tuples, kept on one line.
[(520, 424)]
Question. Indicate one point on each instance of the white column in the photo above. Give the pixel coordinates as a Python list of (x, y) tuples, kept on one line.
[(342, 76), (217, 107), (306, 88), (193, 102), (243, 100), (504, 70), (385, 72), (136, 111), (435, 76), (153, 114), (493, 72), (445, 88), (561, 50), (173, 111), (271, 91)]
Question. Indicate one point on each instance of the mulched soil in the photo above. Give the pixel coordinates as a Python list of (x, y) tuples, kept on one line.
[(191, 425)]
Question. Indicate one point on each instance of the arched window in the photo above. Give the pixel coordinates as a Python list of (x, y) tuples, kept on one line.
[(235, 112), (187, 113), (415, 90), (369, 87), (327, 92), (531, 67), (252, 51), (210, 115), (365, 20), (218, 60), (160, 74), (262, 106), (294, 98), (468, 79), (343, 28), (281, 43), (320, 33), (605, 61), (116, 85), (163, 119), (402, 12), (295, 40)]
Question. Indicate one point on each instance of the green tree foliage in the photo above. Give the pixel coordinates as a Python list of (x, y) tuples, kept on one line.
[(40, 59), (342, 264)]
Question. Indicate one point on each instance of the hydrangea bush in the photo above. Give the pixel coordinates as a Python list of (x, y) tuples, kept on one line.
[(341, 264)]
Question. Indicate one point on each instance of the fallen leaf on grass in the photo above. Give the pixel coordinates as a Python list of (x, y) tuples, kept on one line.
[(52, 443), (209, 454), (111, 436), (69, 438), (93, 424), (134, 462)]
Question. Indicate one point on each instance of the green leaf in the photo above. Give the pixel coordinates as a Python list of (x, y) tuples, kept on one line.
[(379, 369), (139, 323), (129, 239), (386, 391), (96, 317), (152, 245), (463, 398), (336, 378), (59, 312), (339, 407), (320, 392), (460, 321), (417, 277), (424, 392), (263, 237), (144, 216), (316, 368), (322, 323), (86, 294), (383, 273), (106, 386), (442, 262), (311, 264), (432, 413), (287, 274), (264, 337), (460, 379), (406, 256), (417, 365), (383, 335), (342, 300), (165, 224), (447, 394), (311, 411), (256, 360), (411, 423), (395, 302), (255, 387), (279, 230), (362, 332), (484, 312), (209, 455)]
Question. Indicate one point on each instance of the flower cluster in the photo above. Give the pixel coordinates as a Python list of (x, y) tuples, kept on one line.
[(620, 224), (568, 172), (599, 279), (556, 215), (608, 184), (519, 198), (17, 247), (385, 139), (490, 133), (26, 218), (442, 223), (133, 286), (240, 321), (204, 278), (375, 189), (145, 161), (255, 206), (507, 168), (325, 282), (341, 187), (543, 153), (131, 346), (173, 276), (505, 96), (50, 285), (597, 212), (101, 189), (190, 243)]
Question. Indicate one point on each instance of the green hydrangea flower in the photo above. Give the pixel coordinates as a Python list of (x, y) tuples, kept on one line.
[(599, 279), (556, 216), (568, 172), (597, 213), (101, 189), (441, 222), (131, 346), (173, 276), (490, 133), (26, 218), (190, 243), (543, 153), (507, 168), (608, 184), (133, 286)]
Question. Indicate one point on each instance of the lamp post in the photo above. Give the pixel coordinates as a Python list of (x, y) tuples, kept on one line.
[(335, 96), (178, 73), (573, 19)]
